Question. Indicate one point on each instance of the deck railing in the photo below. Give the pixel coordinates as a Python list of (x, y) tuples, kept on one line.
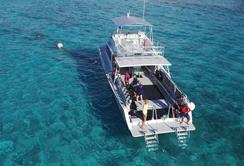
[(122, 90), (119, 84), (129, 49)]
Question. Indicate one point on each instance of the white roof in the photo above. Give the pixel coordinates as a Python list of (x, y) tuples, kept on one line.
[(130, 20), (142, 61)]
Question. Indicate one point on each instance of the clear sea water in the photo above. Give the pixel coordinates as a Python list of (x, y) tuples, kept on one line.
[(56, 107)]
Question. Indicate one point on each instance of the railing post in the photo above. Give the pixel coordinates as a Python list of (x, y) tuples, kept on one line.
[(156, 114), (153, 112), (169, 110)]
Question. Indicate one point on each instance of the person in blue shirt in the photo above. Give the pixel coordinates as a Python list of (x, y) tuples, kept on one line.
[(139, 91)]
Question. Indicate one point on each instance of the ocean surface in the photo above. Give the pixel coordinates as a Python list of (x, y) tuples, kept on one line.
[(57, 109)]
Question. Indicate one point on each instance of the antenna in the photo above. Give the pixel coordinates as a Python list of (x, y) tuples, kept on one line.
[(144, 6), (128, 14)]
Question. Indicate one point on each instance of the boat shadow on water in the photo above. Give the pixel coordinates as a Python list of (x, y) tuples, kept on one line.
[(101, 100)]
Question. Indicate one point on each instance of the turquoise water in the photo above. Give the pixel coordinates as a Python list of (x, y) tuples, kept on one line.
[(56, 107)]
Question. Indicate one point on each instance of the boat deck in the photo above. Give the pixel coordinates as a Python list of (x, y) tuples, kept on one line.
[(150, 90), (160, 126)]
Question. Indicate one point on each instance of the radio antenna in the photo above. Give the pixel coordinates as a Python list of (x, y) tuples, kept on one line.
[(144, 6)]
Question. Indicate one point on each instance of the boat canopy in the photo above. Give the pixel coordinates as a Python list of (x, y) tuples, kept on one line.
[(142, 61), (130, 20)]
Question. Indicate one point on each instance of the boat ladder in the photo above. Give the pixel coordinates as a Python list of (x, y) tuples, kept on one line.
[(182, 136), (151, 142)]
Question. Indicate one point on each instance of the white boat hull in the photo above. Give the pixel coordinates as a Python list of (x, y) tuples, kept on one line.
[(158, 126)]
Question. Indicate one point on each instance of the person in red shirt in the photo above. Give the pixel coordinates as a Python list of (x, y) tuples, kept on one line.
[(127, 78), (183, 111)]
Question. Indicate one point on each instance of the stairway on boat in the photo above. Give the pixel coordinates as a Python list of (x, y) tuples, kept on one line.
[(152, 142), (183, 137)]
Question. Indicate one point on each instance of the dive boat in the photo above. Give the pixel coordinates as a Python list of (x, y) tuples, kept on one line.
[(132, 50)]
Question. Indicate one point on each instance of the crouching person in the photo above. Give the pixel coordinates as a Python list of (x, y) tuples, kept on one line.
[(183, 112)]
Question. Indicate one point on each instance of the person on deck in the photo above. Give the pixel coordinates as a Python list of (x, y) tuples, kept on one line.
[(183, 110), (145, 109), (127, 78), (134, 82), (139, 91)]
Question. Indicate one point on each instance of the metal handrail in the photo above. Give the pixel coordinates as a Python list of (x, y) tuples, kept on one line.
[(146, 47), (135, 53), (156, 113), (119, 84), (156, 117), (154, 49)]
